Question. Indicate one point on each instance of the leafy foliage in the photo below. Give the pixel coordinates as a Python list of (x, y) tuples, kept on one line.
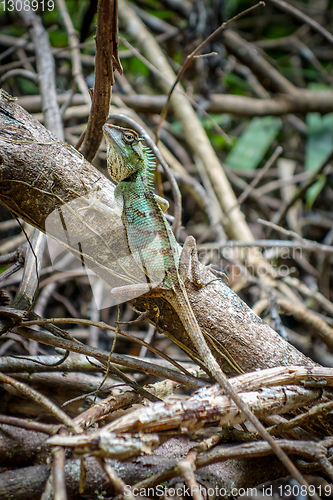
[(254, 142)]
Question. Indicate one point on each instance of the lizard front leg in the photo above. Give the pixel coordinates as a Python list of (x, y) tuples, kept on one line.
[(94, 202), (163, 203), (128, 292)]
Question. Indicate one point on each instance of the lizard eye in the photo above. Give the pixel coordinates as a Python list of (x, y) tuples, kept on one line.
[(128, 137)]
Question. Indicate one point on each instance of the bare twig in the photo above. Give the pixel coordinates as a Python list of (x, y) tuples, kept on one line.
[(42, 400), (103, 356), (259, 176), (309, 245), (306, 449), (195, 135), (118, 483), (305, 290), (290, 9), (27, 424), (186, 468), (308, 317), (246, 52), (20, 72), (75, 51), (105, 326), (302, 102), (58, 476), (191, 57), (318, 410), (168, 82), (280, 214), (125, 399), (46, 72), (312, 245), (106, 57)]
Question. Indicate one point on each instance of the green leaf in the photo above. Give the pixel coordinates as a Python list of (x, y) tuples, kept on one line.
[(237, 85), (27, 87), (253, 143), (162, 14), (313, 192), (319, 144), (134, 66), (318, 86)]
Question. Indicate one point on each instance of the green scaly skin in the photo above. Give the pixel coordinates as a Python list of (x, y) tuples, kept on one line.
[(153, 245)]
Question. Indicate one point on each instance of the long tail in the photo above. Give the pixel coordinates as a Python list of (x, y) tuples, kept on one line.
[(180, 302)]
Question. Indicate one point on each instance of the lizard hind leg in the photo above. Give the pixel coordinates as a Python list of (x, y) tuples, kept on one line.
[(189, 255)]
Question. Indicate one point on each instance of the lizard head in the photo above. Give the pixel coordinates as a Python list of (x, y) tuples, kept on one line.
[(125, 152)]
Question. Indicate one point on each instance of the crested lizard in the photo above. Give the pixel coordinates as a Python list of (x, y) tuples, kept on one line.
[(153, 245)]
